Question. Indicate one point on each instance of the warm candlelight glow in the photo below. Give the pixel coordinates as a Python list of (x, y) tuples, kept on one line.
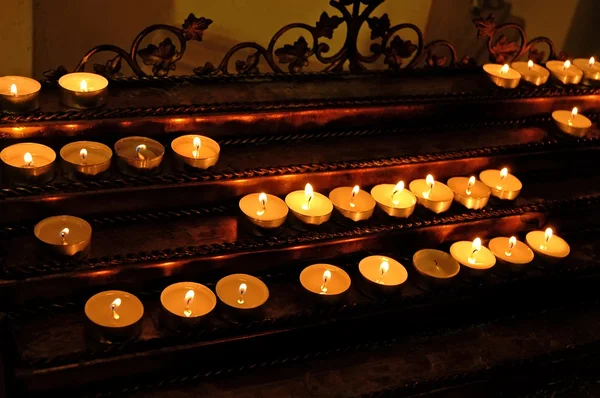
[(83, 87), (530, 64), (574, 113), (503, 173), (113, 307), (355, 191), (28, 159), (384, 267), (470, 184), (83, 154), (566, 65), (197, 144), (475, 248), (242, 290), (430, 182), (397, 190), (189, 297), (262, 198), (511, 244), (13, 89), (326, 278), (64, 233), (138, 149), (592, 62), (504, 69), (308, 194)]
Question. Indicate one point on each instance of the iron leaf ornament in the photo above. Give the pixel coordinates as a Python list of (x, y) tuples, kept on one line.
[(295, 55), (162, 58), (326, 25), (193, 28)]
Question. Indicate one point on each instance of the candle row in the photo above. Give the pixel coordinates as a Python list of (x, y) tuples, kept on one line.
[(566, 72), (34, 163), (184, 304)]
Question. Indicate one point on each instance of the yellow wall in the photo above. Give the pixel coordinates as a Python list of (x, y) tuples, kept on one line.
[(16, 33)]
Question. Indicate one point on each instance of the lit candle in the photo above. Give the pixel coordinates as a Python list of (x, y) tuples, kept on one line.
[(590, 69), (64, 235), (432, 194), (565, 72), (382, 271), (265, 211), (325, 280), (502, 75), (435, 265), (83, 90), (502, 184), (473, 255), (469, 192), (139, 154), (185, 304), (115, 315), (19, 94), (572, 122), (548, 245), (242, 292), (85, 159), (511, 251), (308, 206), (196, 151), (353, 203), (395, 200), (28, 163), (531, 72)]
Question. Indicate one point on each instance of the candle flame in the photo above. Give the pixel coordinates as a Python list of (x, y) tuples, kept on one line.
[(326, 278), (529, 64), (308, 194), (83, 154), (83, 87), (503, 173), (430, 182), (197, 143), (28, 159), (113, 307), (548, 235), (13, 89), (355, 192), (566, 65), (574, 112), (511, 244), (470, 184), (384, 266), (64, 233), (189, 297), (139, 149), (242, 290), (504, 69), (262, 198), (475, 248), (397, 189), (592, 62)]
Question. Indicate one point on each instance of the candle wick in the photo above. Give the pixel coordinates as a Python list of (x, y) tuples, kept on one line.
[(306, 206), (471, 258), (113, 307)]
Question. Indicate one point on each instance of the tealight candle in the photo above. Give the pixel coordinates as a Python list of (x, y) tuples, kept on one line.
[(242, 292), (511, 251), (532, 73), (502, 184), (435, 265), (185, 304), (115, 315), (308, 206), (64, 235), (139, 154), (502, 75), (571, 122), (28, 163), (83, 90), (473, 255), (325, 280), (196, 151), (565, 72), (19, 94), (469, 192), (382, 272), (590, 69), (85, 158), (432, 194), (264, 210), (353, 203), (547, 244), (394, 199)]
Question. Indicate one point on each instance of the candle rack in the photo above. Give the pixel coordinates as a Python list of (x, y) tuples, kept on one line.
[(344, 126)]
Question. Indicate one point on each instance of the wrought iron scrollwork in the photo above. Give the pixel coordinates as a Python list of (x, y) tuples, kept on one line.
[(504, 50)]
